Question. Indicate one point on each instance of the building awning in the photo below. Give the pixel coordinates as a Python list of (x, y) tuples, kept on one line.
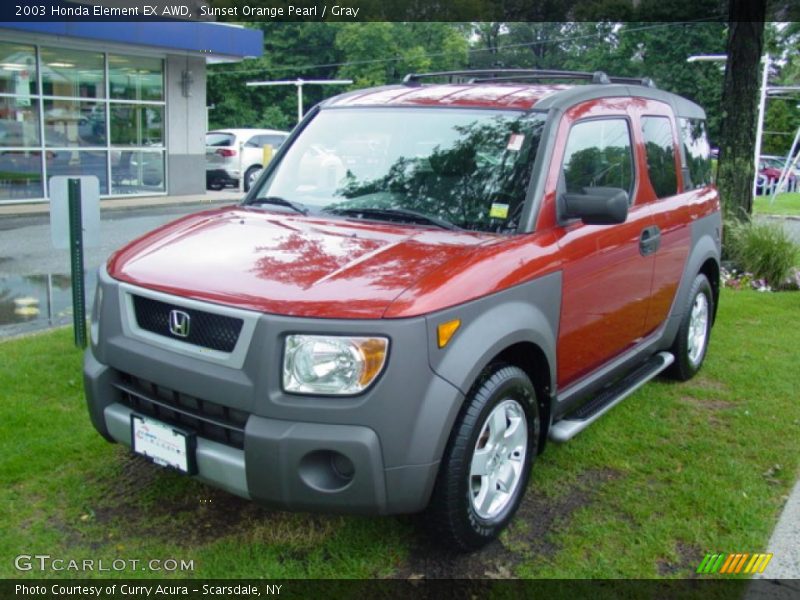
[(216, 41)]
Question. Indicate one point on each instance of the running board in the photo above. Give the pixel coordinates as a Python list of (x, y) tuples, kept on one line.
[(587, 414)]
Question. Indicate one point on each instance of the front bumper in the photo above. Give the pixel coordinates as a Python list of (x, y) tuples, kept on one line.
[(376, 453)]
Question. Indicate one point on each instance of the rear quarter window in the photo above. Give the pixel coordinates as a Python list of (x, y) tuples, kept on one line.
[(259, 141), (219, 139), (698, 153), (660, 151)]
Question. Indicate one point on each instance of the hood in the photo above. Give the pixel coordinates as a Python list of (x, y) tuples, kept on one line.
[(285, 264)]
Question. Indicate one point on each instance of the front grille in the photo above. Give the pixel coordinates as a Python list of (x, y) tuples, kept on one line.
[(209, 330), (208, 419)]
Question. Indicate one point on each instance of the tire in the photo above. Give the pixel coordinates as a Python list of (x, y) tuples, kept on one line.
[(468, 511), (250, 177), (691, 344), (215, 184)]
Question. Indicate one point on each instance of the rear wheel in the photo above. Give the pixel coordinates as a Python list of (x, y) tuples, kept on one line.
[(250, 177), (487, 462), (691, 344)]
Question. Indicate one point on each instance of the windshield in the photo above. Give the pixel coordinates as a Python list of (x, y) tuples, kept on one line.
[(465, 167)]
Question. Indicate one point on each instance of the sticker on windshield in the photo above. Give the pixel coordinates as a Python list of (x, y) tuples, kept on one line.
[(515, 142), (498, 211)]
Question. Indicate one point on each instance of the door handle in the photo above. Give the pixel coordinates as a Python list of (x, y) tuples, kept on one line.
[(649, 240)]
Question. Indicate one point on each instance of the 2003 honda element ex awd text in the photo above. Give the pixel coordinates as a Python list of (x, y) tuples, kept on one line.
[(428, 282)]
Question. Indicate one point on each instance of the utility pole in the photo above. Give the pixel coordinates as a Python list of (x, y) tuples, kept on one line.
[(299, 83)]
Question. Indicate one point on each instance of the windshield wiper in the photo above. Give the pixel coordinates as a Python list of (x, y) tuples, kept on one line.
[(278, 201), (392, 214)]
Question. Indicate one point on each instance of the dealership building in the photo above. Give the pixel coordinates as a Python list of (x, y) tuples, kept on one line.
[(125, 102)]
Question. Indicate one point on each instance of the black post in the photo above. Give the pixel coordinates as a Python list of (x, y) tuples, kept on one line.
[(76, 262)]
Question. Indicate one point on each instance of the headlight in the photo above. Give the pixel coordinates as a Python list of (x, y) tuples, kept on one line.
[(330, 364)]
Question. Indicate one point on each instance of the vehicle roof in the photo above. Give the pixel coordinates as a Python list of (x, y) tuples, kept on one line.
[(513, 96), (245, 131)]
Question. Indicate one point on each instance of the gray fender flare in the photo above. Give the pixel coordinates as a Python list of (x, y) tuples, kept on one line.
[(705, 247), (480, 340), (525, 313)]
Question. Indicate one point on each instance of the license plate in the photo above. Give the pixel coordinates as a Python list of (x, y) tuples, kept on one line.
[(163, 444)]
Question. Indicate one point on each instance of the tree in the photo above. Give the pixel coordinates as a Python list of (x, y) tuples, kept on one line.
[(380, 53), (740, 95)]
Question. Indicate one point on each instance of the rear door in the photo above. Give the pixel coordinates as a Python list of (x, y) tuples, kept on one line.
[(606, 274), (680, 196)]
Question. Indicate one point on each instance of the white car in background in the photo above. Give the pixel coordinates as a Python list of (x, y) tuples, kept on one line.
[(224, 165)]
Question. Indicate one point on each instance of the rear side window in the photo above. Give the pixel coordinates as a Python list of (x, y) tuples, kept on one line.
[(274, 140), (698, 153), (259, 141), (598, 154), (658, 143), (219, 139)]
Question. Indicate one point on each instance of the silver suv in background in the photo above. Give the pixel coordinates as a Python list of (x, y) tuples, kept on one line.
[(224, 165)]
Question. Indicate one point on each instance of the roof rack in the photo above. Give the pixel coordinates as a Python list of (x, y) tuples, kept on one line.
[(500, 75)]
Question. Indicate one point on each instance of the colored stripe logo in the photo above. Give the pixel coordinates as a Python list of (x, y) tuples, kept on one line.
[(730, 564)]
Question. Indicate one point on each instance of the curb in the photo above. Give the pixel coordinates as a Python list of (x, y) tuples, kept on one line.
[(40, 209), (781, 217), (785, 541)]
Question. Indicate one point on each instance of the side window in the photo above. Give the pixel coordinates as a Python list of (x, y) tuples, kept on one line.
[(598, 154), (259, 141), (698, 153), (657, 135), (273, 140)]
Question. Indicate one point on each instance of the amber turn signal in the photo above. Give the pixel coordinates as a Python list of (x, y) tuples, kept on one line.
[(446, 330)]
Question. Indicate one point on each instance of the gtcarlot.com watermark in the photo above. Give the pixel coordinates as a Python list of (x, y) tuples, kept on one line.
[(46, 562)]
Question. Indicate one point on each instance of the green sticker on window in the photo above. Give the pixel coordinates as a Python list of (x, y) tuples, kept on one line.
[(498, 211)]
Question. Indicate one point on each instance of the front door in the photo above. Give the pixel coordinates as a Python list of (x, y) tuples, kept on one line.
[(607, 269)]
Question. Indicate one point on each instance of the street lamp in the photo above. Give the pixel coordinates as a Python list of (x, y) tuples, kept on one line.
[(707, 58), (300, 83)]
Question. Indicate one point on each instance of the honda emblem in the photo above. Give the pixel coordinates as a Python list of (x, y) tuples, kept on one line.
[(179, 323)]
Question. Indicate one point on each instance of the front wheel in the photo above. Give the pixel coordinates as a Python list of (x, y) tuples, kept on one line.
[(487, 463), (691, 344)]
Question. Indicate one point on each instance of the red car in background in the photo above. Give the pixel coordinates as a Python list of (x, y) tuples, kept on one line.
[(769, 173)]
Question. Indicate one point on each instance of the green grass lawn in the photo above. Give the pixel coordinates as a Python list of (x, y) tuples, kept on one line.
[(785, 204), (675, 471)]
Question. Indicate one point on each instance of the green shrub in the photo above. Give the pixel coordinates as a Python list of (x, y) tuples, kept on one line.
[(763, 249)]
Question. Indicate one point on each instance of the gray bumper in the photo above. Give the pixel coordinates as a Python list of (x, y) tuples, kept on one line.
[(376, 453), (217, 464), (284, 464)]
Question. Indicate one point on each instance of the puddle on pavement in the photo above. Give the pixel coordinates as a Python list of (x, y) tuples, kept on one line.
[(31, 302)]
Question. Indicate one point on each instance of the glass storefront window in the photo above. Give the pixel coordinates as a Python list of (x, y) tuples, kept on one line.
[(72, 73), (135, 78), (137, 171), (19, 122), (18, 70), (79, 112), (74, 123), (78, 162), (20, 174), (137, 125)]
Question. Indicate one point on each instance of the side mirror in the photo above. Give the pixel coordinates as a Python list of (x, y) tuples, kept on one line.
[(597, 205)]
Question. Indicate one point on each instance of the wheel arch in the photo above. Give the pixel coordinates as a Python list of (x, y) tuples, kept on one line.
[(531, 358), (704, 258), (710, 269), (517, 327)]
